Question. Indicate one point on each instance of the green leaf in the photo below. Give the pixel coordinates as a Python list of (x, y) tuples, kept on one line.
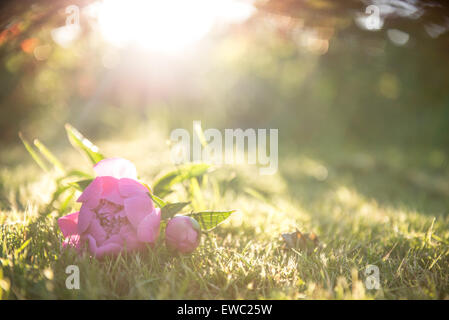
[(49, 155), (76, 174), (163, 185), (170, 209), (158, 201), (33, 153), (65, 203), (83, 144), (147, 186), (60, 190), (208, 220), (81, 184)]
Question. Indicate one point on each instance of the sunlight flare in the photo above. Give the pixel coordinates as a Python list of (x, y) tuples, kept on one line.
[(166, 26)]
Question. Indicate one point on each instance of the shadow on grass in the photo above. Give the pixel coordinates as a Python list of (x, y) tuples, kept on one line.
[(392, 181)]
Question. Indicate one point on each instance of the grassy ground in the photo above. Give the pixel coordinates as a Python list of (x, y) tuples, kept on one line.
[(379, 206)]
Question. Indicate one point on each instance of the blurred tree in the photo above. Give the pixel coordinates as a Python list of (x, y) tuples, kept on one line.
[(310, 67)]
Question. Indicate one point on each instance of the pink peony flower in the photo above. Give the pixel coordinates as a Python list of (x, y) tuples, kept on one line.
[(183, 234), (116, 212)]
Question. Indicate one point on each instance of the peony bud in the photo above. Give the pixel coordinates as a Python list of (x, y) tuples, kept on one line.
[(183, 234)]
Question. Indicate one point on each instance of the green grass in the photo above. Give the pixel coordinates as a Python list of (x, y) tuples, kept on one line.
[(379, 206)]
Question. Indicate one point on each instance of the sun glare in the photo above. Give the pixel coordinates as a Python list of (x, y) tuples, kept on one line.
[(167, 26)]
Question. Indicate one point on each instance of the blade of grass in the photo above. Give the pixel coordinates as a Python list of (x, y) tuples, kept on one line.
[(81, 143), (33, 153), (162, 186), (49, 156)]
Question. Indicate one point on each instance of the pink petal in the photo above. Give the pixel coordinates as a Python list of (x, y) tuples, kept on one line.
[(92, 244), (99, 252), (85, 217), (137, 208), (126, 229), (97, 232), (121, 213), (116, 167), (108, 207), (108, 249), (131, 242), (148, 229), (177, 225), (72, 241), (68, 224), (91, 195), (110, 190), (192, 236), (117, 239), (130, 187)]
